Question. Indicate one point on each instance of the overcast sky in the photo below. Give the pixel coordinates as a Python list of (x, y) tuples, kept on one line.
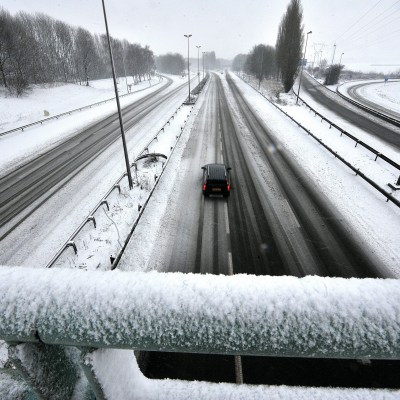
[(367, 31)]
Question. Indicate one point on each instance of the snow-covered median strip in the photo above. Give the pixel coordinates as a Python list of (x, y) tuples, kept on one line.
[(98, 240)]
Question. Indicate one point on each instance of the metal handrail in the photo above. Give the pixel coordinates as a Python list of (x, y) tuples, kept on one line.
[(282, 316)]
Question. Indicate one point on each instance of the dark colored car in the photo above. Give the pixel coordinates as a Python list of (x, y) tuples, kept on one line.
[(216, 180)]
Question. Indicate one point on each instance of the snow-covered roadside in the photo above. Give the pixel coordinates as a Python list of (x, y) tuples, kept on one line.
[(58, 98), (364, 210), (386, 95), (21, 146), (114, 221), (374, 141), (145, 237), (39, 237)]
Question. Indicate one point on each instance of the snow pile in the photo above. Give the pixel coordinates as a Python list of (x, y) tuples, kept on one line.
[(240, 314)]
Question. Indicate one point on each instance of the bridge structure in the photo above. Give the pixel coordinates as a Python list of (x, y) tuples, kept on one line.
[(71, 333)]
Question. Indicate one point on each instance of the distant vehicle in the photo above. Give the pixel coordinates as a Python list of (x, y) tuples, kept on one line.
[(216, 180), (222, 72)]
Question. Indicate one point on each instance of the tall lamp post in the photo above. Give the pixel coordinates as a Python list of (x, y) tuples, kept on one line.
[(302, 66), (204, 54), (121, 124), (340, 62), (198, 62), (188, 36)]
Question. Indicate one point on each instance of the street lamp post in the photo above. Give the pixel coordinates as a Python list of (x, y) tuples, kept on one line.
[(198, 62), (302, 65), (188, 36), (204, 53), (340, 62), (121, 124)]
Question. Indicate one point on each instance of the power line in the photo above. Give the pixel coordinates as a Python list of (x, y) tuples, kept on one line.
[(362, 35), (359, 19), (375, 21)]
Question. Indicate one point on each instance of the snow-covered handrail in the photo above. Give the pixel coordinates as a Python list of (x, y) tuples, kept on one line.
[(240, 314)]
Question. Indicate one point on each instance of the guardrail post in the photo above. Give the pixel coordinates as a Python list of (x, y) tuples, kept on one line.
[(106, 203), (93, 219), (117, 186), (52, 372), (72, 244)]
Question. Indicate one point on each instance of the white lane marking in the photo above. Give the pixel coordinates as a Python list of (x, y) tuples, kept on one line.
[(226, 219), (230, 264), (291, 212)]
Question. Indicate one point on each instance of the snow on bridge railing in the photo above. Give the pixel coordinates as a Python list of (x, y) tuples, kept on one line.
[(45, 310)]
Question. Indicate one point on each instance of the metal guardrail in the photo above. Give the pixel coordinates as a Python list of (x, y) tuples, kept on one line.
[(90, 218), (369, 110), (281, 316), (349, 135), (21, 128), (388, 196)]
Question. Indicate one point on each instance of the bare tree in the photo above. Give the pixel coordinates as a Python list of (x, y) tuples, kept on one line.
[(239, 62), (85, 54), (289, 43), (171, 63)]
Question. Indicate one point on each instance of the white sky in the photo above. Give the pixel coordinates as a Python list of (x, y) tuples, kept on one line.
[(232, 27)]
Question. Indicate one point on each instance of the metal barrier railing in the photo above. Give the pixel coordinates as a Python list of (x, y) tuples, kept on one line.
[(389, 197), (40, 122), (90, 218), (45, 310), (349, 135)]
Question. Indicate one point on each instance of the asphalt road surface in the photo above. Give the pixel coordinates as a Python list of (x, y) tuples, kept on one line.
[(351, 113), (40, 178), (354, 93), (273, 223)]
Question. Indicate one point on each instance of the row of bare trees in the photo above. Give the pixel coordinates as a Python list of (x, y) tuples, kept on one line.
[(39, 49), (283, 60)]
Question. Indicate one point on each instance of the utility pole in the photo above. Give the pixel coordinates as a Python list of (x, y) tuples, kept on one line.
[(188, 36), (121, 124)]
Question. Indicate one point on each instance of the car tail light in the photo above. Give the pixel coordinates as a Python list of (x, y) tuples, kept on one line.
[(205, 186), (229, 188)]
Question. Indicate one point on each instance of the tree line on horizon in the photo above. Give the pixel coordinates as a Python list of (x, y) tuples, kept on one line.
[(40, 49), (176, 64)]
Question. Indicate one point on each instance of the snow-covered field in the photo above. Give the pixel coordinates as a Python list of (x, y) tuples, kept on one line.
[(386, 95)]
